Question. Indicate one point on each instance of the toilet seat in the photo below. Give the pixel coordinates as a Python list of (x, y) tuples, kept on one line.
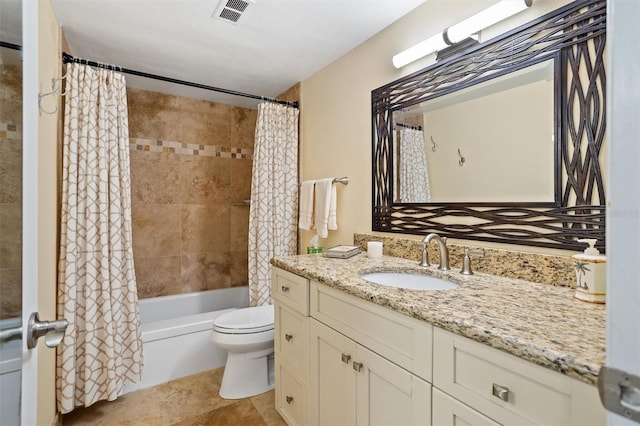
[(245, 321)]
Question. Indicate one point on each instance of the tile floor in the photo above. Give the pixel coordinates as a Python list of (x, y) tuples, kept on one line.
[(188, 401)]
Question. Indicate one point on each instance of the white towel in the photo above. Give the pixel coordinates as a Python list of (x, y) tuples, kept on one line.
[(305, 220), (325, 207)]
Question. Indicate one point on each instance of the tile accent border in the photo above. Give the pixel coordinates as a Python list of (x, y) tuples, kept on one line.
[(154, 145), (539, 268), (10, 131)]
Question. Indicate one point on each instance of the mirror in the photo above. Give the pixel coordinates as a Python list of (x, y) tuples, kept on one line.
[(501, 142), (10, 184), (431, 138)]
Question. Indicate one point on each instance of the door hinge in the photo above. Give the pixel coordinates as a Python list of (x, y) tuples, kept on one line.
[(620, 392)]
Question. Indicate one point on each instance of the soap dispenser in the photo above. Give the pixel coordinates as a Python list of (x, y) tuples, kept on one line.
[(590, 273)]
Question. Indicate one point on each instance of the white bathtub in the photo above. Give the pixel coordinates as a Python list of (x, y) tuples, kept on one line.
[(10, 374), (176, 333)]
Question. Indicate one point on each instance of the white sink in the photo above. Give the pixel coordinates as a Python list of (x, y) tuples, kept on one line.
[(409, 281)]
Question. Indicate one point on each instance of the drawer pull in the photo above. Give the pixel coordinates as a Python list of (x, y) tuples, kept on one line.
[(358, 366), (285, 289), (346, 358), (289, 399), (288, 337), (501, 392)]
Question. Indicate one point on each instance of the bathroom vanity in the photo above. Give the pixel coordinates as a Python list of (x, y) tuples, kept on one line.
[(492, 351)]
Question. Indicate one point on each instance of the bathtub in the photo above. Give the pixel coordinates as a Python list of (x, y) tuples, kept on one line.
[(176, 333), (10, 374)]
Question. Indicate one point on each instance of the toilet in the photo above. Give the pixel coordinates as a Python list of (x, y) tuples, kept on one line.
[(247, 336)]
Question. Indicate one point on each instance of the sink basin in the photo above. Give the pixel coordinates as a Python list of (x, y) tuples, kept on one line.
[(409, 281)]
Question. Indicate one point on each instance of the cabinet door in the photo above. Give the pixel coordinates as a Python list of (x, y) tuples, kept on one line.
[(332, 379), (449, 412), (387, 394)]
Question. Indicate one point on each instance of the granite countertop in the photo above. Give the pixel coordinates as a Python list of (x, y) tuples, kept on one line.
[(541, 323)]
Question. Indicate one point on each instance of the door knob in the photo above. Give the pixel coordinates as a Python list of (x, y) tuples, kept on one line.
[(52, 330)]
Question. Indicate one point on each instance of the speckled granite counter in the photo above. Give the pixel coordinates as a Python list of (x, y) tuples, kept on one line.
[(540, 323)]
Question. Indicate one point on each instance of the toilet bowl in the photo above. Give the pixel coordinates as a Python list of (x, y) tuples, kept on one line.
[(247, 336)]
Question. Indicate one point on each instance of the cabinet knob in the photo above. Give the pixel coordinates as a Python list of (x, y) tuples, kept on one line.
[(288, 337), (285, 289), (346, 358), (358, 366), (289, 399), (501, 392)]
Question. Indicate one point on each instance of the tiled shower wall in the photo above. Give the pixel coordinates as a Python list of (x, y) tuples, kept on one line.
[(10, 191), (190, 171)]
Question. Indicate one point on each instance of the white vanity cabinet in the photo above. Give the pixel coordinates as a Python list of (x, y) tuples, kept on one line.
[(342, 360), (505, 389), (291, 345), (350, 383)]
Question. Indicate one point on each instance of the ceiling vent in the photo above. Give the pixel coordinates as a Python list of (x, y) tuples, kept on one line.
[(232, 10)]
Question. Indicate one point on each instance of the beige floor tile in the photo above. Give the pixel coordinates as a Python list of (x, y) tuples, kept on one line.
[(240, 412), (139, 408), (266, 406), (189, 401)]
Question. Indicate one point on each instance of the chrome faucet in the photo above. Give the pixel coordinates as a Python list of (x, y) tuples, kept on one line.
[(442, 247)]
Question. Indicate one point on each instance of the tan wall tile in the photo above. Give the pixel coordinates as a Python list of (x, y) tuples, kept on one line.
[(11, 170), (153, 115), (205, 229), (239, 268), (243, 127), (156, 230), (182, 200), (206, 180), (158, 276), (10, 293), (11, 222), (205, 271), (241, 180), (155, 178)]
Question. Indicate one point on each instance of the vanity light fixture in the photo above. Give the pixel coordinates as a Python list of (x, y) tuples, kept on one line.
[(461, 35)]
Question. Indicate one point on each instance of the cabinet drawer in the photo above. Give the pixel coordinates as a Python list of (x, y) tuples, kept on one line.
[(292, 395), (401, 339), (290, 289), (477, 375), (292, 338), (450, 412)]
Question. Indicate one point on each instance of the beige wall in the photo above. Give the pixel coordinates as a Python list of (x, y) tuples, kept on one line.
[(190, 171), (10, 189), (336, 106), (49, 67)]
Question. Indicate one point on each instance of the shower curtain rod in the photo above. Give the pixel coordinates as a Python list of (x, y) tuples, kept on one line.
[(66, 58), (10, 45)]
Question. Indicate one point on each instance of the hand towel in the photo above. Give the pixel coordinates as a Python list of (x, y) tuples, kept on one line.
[(305, 213), (325, 194), (333, 218)]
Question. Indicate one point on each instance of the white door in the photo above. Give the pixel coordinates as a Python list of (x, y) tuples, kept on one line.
[(623, 193)]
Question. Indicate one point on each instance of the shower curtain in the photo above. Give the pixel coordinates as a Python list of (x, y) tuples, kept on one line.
[(274, 195), (414, 176), (102, 350)]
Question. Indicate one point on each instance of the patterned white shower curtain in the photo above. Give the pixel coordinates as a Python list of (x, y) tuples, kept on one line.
[(102, 350), (414, 176), (273, 213)]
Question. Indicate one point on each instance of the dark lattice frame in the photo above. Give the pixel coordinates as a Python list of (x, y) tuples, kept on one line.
[(574, 36)]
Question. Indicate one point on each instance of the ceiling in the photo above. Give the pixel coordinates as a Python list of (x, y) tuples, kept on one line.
[(274, 45)]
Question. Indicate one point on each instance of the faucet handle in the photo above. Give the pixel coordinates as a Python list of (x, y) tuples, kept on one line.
[(424, 262), (466, 260)]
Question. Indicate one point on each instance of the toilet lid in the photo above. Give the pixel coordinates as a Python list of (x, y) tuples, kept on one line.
[(245, 320)]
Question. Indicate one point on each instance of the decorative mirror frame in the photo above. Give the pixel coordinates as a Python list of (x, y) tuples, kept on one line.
[(574, 36)]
